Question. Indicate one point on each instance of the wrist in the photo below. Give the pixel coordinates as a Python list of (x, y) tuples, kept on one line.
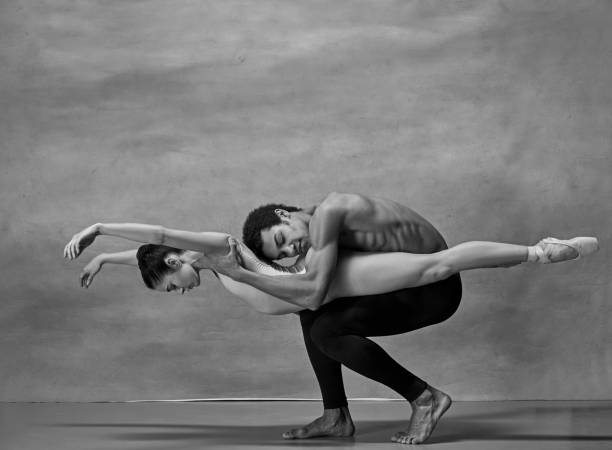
[(97, 228)]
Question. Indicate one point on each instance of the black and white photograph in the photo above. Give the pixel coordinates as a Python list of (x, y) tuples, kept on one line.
[(283, 224)]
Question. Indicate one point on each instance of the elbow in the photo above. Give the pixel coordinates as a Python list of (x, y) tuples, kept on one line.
[(314, 301)]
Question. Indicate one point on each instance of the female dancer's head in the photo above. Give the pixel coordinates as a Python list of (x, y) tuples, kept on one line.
[(166, 268)]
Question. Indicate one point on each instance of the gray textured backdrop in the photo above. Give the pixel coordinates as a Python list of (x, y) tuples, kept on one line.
[(493, 119)]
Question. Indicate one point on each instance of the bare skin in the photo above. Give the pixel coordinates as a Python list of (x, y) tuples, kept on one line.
[(431, 405), (333, 423), (427, 410), (347, 221)]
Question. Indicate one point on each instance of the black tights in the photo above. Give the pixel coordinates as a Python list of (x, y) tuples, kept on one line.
[(336, 333)]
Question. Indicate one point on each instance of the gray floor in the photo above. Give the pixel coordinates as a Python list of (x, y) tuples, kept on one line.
[(258, 425)]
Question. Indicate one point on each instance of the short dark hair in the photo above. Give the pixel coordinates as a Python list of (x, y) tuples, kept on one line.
[(261, 219), (151, 262)]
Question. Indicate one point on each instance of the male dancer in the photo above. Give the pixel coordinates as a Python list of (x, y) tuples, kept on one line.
[(336, 333)]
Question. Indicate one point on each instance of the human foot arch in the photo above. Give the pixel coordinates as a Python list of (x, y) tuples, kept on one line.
[(426, 412), (333, 423)]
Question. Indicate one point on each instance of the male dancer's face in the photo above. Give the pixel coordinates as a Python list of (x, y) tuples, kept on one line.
[(287, 239)]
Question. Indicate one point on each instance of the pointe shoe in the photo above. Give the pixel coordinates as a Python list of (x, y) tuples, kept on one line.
[(556, 250)]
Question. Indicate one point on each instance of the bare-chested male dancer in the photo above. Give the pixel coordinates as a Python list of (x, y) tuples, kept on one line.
[(336, 333)]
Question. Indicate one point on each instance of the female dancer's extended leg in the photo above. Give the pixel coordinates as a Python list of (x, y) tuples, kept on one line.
[(373, 273), (363, 273)]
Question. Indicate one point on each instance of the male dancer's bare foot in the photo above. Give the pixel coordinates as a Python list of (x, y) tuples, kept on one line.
[(426, 411), (333, 423)]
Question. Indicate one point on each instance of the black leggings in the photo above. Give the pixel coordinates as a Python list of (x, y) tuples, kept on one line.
[(336, 333)]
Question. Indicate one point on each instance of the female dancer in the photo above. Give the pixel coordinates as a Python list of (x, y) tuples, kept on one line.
[(173, 259)]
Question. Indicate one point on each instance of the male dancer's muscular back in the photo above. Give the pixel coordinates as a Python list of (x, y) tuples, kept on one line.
[(381, 225)]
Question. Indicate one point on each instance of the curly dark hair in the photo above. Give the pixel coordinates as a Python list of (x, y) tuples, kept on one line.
[(151, 262), (261, 219)]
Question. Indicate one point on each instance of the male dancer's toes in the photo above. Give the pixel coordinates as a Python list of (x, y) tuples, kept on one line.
[(333, 423), (551, 250), (426, 411)]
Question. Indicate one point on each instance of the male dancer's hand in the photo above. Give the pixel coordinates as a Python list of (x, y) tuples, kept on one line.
[(231, 263), (81, 241)]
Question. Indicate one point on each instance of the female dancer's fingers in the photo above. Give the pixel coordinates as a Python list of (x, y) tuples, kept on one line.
[(85, 278), (238, 250), (235, 250), (75, 248)]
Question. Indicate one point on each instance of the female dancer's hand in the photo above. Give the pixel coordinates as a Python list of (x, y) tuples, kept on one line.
[(231, 263), (81, 241), (89, 271), (247, 258)]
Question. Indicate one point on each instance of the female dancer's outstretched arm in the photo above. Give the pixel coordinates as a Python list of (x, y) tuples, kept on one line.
[(88, 273), (207, 242)]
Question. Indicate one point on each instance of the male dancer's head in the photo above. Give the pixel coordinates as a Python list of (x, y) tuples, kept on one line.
[(277, 231)]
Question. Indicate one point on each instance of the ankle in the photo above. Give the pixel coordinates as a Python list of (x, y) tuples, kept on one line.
[(337, 415), (332, 414), (534, 253), (424, 399)]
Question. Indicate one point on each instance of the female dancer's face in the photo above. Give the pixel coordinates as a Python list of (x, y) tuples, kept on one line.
[(180, 279)]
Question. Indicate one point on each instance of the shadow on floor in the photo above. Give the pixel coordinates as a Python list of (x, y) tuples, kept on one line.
[(503, 425)]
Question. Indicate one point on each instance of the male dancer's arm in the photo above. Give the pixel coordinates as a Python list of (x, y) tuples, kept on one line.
[(306, 290)]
